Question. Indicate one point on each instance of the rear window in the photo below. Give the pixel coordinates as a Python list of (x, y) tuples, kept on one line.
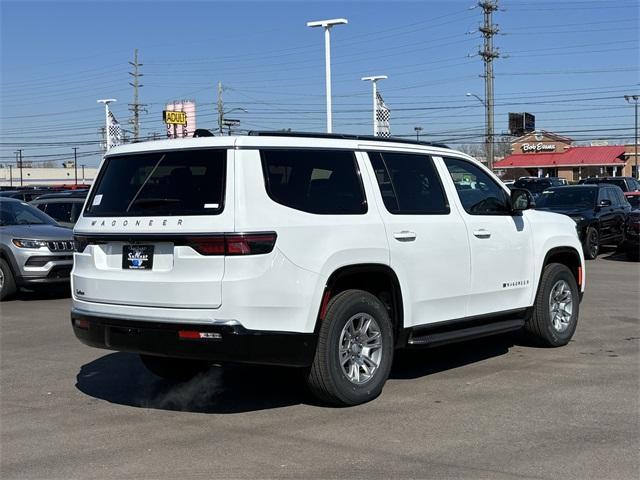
[(534, 186), (314, 181), (181, 182)]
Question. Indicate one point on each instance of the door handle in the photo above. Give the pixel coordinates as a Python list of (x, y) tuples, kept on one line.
[(482, 233), (405, 236)]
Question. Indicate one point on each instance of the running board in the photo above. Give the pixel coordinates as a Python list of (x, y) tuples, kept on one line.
[(427, 339)]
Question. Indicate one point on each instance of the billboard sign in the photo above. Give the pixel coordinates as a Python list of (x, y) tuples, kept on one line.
[(180, 118), (174, 118)]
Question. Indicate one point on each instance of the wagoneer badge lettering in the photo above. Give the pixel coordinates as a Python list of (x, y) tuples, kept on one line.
[(138, 223)]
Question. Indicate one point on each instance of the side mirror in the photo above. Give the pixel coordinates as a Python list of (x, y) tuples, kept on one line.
[(521, 199), (605, 203)]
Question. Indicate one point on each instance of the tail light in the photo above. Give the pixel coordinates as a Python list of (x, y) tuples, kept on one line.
[(234, 243)]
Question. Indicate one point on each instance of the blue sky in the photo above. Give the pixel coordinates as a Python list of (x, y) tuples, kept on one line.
[(567, 62)]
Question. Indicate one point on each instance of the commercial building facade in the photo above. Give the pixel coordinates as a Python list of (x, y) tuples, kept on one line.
[(543, 154)]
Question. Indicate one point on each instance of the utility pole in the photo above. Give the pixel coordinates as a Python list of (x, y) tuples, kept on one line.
[(634, 99), (10, 175), (136, 107), (488, 53), (83, 180), (75, 163), (220, 108), (19, 152)]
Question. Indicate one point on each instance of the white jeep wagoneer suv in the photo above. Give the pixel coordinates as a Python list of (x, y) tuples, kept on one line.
[(325, 252)]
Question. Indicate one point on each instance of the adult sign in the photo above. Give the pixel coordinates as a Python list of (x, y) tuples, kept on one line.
[(174, 118)]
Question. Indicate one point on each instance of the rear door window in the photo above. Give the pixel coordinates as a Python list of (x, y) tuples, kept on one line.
[(409, 183), (180, 182), (314, 181)]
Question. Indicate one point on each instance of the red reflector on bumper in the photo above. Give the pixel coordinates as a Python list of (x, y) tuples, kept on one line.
[(195, 335), (81, 323)]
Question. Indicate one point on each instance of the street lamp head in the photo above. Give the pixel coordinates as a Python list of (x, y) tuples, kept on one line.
[(469, 94), (107, 100), (417, 129), (328, 23), (375, 78)]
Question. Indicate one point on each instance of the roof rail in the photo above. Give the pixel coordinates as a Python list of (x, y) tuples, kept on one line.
[(342, 136)]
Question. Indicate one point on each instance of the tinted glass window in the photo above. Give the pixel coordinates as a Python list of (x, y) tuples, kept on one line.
[(184, 182), (478, 192), (409, 183), (314, 181), (634, 201), (59, 211), (16, 213), (567, 197), (534, 185)]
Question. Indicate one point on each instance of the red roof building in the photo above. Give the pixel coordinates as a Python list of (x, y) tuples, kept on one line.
[(546, 154)]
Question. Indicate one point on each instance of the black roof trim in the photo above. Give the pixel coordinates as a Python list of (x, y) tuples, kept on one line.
[(343, 136)]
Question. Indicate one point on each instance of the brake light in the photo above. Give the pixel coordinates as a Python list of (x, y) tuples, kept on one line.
[(207, 245), (234, 244)]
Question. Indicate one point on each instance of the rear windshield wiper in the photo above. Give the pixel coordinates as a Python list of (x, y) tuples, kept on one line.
[(149, 202)]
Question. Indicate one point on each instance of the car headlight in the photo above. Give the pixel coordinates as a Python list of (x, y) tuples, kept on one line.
[(577, 218), (23, 243)]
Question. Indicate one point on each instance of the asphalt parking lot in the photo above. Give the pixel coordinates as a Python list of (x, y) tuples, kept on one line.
[(488, 409)]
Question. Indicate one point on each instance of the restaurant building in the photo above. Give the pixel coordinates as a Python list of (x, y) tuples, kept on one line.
[(541, 154)]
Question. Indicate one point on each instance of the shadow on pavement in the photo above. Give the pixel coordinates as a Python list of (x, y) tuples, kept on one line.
[(122, 378), (42, 293), (616, 256), (411, 364)]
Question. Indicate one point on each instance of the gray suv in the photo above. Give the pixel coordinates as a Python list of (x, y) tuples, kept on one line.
[(34, 249)]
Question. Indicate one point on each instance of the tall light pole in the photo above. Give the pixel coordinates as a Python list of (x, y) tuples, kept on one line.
[(326, 25), (488, 140), (634, 99), (374, 83), (75, 163), (418, 130), (107, 137)]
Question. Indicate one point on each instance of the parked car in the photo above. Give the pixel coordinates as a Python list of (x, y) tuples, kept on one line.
[(633, 198), (626, 184), (599, 210), (64, 207), (34, 250), (325, 252), (537, 185), (25, 194)]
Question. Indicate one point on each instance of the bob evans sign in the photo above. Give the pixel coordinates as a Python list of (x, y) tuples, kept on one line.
[(538, 147)]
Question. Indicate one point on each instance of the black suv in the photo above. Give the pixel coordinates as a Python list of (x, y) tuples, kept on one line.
[(537, 185), (600, 213), (627, 184), (64, 207)]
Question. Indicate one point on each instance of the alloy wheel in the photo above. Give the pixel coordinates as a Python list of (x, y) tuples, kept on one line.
[(561, 305), (360, 348)]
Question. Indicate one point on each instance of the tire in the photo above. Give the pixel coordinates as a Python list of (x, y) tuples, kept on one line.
[(328, 380), (7, 281), (173, 369), (556, 283), (591, 243)]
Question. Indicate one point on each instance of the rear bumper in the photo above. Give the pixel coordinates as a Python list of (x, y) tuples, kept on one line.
[(234, 345)]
